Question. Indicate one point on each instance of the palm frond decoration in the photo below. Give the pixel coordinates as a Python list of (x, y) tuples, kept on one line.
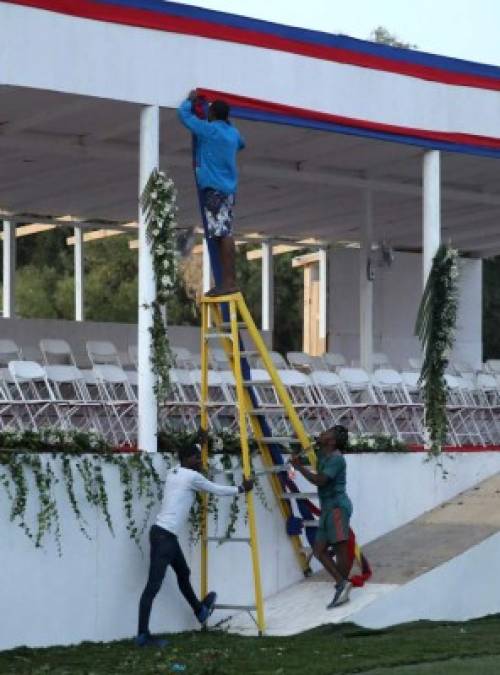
[(435, 328)]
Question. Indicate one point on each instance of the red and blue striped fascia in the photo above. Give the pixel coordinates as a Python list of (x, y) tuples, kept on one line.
[(189, 20), (263, 111)]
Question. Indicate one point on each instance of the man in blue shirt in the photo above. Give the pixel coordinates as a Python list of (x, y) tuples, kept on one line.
[(218, 143)]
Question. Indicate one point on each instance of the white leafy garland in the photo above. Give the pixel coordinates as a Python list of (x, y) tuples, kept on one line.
[(159, 204)]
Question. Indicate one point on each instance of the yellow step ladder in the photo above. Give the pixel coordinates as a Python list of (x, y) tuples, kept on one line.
[(228, 334)]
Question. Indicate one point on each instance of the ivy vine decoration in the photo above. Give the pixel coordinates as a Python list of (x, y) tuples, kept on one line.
[(158, 202), (435, 327)]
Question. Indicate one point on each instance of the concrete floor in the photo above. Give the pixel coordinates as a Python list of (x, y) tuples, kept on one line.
[(396, 558)]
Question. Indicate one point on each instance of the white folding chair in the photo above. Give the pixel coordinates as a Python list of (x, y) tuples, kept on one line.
[(103, 353), (180, 409), (462, 413), (279, 361), (220, 406), (369, 412), (56, 351), (300, 389), (404, 416), (488, 389), (34, 396), (9, 351), (78, 409), (333, 397), (218, 359), (118, 397)]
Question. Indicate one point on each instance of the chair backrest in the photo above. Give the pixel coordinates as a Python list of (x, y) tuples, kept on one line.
[(415, 363), (9, 351), (380, 359), (486, 381), (354, 376), (300, 360), (182, 357), (325, 378), (133, 355), (493, 366), (386, 377), (102, 353), (410, 379), (26, 370), (218, 359), (334, 360), (113, 382), (67, 381), (56, 351)]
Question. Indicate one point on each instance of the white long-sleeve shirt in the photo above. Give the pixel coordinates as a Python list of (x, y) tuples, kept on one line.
[(180, 488)]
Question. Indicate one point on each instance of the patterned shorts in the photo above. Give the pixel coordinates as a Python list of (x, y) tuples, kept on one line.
[(218, 212)]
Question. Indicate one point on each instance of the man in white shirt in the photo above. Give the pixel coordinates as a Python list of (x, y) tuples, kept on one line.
[(181, 485)]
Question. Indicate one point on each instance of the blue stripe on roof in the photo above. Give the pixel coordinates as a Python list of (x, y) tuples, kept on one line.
[(446, 146), (313, 37)]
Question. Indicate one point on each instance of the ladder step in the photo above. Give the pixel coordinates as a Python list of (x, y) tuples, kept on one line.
[(256, 383), (298, 495), (246, 352), (222, 336), (281, 440), (235, 540), (248, 608), (227, 324)]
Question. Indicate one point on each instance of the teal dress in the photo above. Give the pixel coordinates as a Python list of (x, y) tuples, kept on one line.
[(336, 507)]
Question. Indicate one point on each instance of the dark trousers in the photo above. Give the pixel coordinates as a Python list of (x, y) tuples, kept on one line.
[(165, 551)]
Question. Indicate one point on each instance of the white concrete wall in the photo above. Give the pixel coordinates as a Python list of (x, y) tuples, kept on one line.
[(92, 591), (463, 588), (397, 295)]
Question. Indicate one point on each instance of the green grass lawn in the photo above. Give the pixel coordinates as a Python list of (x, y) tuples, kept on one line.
[(424, 648)]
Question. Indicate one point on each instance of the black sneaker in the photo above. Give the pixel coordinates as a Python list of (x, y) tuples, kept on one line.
[(207, 607), (341, 596)]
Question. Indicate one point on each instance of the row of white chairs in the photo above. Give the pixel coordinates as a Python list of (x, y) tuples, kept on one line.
[(387, 402)]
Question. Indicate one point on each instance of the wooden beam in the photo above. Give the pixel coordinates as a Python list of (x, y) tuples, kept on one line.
[(102, 234), (307, 259), (36, 228), (277, 250)]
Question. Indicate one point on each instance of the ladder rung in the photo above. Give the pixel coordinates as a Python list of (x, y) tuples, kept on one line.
[(246, 352), (236, 540), (227, 324), (222, 336), (254, 383), (298, 495), (282, 468), (248, 608), (282, 440)]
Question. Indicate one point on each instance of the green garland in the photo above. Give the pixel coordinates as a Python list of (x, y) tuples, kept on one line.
[(81, 457), (435, 327), (158, 202)]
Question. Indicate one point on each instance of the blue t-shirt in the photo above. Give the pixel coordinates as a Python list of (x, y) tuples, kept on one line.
[(218, 143)]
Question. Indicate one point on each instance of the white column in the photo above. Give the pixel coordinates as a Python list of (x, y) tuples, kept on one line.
[(323, 296), (9, 269), (79, 275), (431, 209), (366, 287), (147, 408), (207, 272), (267, 286)]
